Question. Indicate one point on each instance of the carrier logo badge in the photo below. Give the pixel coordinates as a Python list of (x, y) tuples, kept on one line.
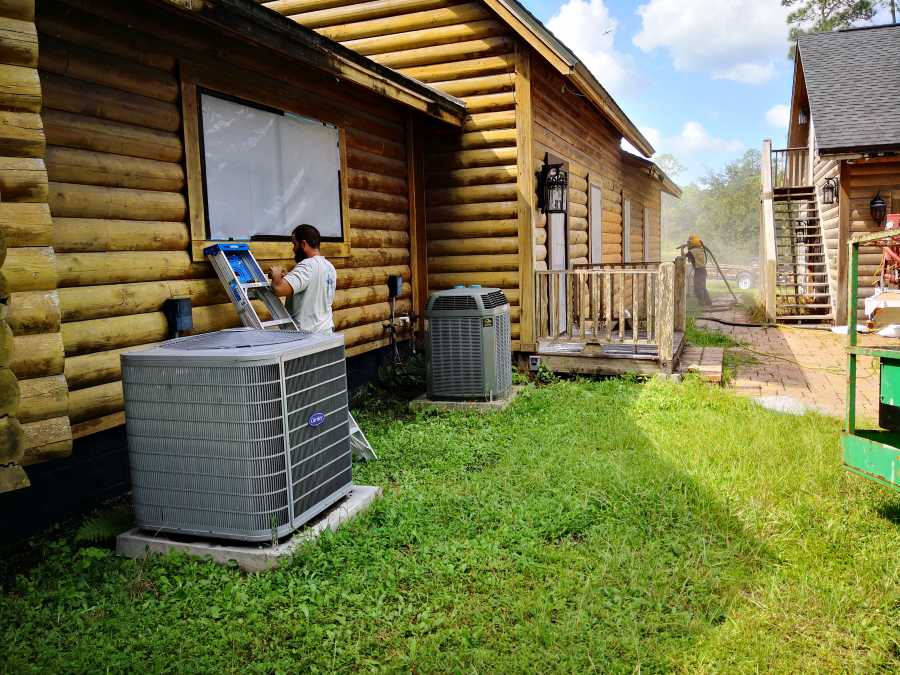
[(317, 419)]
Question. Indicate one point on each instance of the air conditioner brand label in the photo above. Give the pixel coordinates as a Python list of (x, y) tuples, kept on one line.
[(487, 322), (317, 419)]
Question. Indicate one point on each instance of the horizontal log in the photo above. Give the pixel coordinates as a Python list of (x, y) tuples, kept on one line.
[(12, 440), (577, 183), (70, 165), (456, 51), (43, 398), (18, 42), (372, 257), (21, 134), (473, 211), (79, 131), (540, 265), (378, 201), (490, 102), (33, 312), (367, 295), (376, 182), (25, 224), (487, 279), (96, 368), (378, 220), (478, 176), (92, 402), (90, 201), (540, 235), (578, 250), (503, 119), (75, 96), (108, 38), (98, 424), (473, 228), (72, 235), (370, 276), (472, 193), (438, 247), (472, 140), (23, 179), (540, 252), (366, 238), (20, 89), (96, 302), (427, 37), (46, 440), (577, 211), (387, 141), (17, 9), (88, 269), (404, 23), (10, 393), (343, 13), (37, 355), (363, 160), (467, 159), (485, 84), (356, 316), (577, 196), (473, 263), (30, 269), (578, 237), (458, 70), (361, 339), (87, 65), (577, 222)]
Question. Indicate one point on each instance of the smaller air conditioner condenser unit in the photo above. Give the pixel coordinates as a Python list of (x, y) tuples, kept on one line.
[(468, 336), (241, 434)]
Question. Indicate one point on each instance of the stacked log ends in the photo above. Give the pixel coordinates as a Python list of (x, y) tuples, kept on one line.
[(25, 238)]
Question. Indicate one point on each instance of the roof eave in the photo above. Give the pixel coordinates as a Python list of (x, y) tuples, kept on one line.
[(654, 171), (261, 25), (565, 62)]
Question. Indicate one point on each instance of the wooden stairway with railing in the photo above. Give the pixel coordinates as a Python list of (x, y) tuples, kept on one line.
[(801, 281), (793, 263)]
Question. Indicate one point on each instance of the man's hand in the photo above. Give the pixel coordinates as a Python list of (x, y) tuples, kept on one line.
[(279, 285), (276, 272)]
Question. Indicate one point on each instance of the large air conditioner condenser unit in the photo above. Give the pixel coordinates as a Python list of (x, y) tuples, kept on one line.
[(468, 335), (240, 434)]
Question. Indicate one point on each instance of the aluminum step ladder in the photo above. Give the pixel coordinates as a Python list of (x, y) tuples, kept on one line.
[(245, 282)]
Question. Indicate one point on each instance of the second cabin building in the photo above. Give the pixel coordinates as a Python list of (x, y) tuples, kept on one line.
[(134, 134)]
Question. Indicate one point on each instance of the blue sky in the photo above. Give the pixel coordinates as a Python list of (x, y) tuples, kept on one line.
[(703, 79)]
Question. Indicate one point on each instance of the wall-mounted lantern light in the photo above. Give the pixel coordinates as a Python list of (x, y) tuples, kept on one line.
[(878, 208), (552, 188), (830, 191)]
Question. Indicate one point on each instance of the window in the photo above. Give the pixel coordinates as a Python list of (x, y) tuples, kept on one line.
[(596, 202), (266, 171), (626, 231)]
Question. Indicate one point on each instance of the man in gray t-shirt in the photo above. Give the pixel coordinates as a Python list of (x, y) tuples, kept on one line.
[(309, 287)]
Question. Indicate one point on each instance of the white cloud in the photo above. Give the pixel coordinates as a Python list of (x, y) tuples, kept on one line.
[(738, 40), (587, 28), (695, 139), (778, 116)]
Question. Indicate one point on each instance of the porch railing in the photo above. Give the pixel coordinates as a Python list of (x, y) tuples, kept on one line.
[(790, 167), (638, 306)]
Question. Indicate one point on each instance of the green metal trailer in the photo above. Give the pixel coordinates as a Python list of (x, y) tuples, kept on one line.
[(872, 453)]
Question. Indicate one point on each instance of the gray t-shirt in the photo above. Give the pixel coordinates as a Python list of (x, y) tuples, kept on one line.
[(313, 281)]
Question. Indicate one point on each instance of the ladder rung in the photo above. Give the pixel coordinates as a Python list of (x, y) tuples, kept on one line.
[(276, 322), (256, 284)]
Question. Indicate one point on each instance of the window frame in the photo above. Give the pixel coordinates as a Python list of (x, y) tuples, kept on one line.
[(196, 79), (626, 229)]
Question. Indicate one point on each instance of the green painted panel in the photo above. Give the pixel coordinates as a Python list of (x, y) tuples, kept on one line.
[(870, 454), (890, 382)]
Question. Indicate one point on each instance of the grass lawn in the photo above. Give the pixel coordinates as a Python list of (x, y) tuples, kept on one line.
[(608, 526)]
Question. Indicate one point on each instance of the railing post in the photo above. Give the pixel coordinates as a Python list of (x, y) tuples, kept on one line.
[(665, 312), (767, 261), (680, 294)]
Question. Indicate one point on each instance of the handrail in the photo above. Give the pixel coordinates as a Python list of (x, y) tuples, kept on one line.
[(790, 167)]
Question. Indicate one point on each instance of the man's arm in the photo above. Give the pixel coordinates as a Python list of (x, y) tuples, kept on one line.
[(281, 287)]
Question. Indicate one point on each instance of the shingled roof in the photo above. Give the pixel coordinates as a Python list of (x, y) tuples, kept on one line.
[(853, 83)]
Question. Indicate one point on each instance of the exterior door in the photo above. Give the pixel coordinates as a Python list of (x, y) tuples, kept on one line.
[(647, 230), (557, 249), (626, 231), (596, 224)]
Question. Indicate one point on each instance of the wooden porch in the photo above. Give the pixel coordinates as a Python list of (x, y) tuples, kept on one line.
[(611, 319)]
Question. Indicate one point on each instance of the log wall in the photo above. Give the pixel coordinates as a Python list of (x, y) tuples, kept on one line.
[(34, 424), (862, 180), (472, 196), (113, 233)]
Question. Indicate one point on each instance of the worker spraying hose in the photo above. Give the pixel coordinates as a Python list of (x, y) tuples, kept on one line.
[(696, 252)]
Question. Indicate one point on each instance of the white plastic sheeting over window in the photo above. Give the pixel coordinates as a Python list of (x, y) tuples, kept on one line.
[(267, 172)]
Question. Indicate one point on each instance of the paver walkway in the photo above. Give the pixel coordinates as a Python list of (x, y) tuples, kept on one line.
[(806, 364)]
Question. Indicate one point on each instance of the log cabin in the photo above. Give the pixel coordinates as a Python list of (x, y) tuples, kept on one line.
[(843, 150), (125, 129), (444, 115), (530, 101)]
